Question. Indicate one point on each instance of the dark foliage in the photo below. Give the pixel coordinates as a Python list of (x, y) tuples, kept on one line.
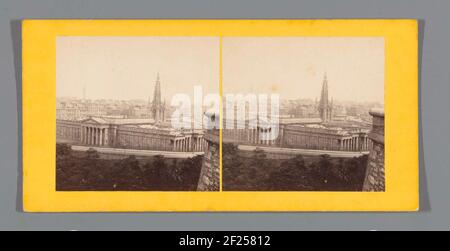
[(87, 171), (258, 173)]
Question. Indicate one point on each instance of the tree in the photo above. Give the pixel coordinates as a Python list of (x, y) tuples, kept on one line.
[(190, 172), (155, 173), (176, 171), (259, 157), (355, 169), (341, 171), (63, 149), (290, 176), (297, 162), (124, 174), (159, 161), (232, 165), (92, 154), (323, 172)]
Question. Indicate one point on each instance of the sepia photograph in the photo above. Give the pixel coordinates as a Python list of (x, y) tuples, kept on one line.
[(123, 112), (303, 114), (143, 114)]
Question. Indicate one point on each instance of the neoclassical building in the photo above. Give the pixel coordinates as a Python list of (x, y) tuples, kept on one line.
[(320, 133), (303, 134), (147, 133), (129, 134)]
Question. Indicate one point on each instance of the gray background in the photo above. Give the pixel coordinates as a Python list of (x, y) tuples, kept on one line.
[(434, 121)]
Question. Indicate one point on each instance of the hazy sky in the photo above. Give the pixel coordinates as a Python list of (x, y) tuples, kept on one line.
[(294, 67), (126, 67)]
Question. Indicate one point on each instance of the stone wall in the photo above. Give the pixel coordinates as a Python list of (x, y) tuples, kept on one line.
[(210, 173), (146, 139), (375, 178), (311, 138), (286, 153), (68, 130)]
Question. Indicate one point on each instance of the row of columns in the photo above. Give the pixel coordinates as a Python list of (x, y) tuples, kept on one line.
[(365, 144), (68, 132), (312, 141), (189, 144), (252, 136), (91, 135), (355, 144), (200, 144)]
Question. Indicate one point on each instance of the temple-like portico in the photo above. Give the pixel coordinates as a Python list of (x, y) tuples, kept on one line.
[(94, 135)]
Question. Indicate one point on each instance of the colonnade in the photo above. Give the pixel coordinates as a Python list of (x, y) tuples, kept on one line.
[(256, 137), (249, 136), (92, 135), (188, 144), (355, 144), (98, 136), (68, 132)]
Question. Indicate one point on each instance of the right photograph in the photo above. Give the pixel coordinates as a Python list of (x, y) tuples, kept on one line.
[(303, 114)]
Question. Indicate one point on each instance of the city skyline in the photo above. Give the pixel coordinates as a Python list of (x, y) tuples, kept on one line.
[(295, 67), (145, 101), (127, 67)]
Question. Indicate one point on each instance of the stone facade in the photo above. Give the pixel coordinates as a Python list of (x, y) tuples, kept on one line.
[(68, 130), (330, 139), (375, 173), (128, 134), (303, 137), (210, 173)]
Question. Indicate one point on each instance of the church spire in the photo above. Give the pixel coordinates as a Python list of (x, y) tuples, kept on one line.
[(325, 106), (324, 94), (157, 91), (157, 107)]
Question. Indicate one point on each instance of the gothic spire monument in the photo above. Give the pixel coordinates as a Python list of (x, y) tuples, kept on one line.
[(157, 107), (325, 105)]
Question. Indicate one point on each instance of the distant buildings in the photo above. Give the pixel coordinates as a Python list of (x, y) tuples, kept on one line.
[(310, 125), (135, 124), (76, 110), (122, 124)]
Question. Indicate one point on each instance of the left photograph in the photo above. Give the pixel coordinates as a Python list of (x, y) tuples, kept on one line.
[(130, 113)]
